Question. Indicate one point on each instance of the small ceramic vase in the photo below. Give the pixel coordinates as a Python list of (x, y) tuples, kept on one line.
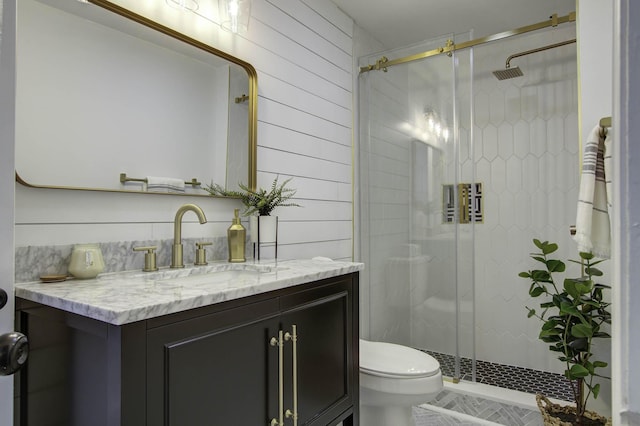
[(86, 261)]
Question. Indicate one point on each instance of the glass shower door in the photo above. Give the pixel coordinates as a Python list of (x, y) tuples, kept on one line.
[(414, 206)]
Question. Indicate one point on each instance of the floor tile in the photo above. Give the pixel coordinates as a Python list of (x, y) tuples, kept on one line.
[(507, 376)]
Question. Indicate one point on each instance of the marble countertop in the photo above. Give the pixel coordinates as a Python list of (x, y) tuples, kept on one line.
[(125, 297)]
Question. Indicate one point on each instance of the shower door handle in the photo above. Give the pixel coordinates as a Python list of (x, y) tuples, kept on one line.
[(463, 202)]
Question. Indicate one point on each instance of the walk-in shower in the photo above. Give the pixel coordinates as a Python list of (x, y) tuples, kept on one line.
[(458, 171)]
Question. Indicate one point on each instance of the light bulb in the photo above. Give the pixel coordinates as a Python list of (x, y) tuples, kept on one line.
[(234, 14), (191, 5)]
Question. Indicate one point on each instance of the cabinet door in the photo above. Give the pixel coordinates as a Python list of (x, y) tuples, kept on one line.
[(214, 370), (323, 318)]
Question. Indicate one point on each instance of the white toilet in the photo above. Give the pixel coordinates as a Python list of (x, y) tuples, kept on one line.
[(393, 378)]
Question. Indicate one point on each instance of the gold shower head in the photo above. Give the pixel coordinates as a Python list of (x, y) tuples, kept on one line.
[(508, 73)]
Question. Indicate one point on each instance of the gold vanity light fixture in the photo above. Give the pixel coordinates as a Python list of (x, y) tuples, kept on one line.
[(234, 15), (190, 5)]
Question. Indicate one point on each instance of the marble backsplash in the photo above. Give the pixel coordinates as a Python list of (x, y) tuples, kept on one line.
[(34, 261)]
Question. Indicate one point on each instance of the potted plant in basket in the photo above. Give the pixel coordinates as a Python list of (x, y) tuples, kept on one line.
[(572, 315), (260, 201)]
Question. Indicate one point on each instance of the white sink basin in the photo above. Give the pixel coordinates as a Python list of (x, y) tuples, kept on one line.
[(215, 272), (232, 276)]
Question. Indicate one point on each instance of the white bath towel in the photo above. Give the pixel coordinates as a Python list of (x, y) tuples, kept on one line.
[(164, 184), (593, 227)]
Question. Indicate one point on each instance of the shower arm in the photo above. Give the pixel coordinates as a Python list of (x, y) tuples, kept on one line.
[(539, 49)]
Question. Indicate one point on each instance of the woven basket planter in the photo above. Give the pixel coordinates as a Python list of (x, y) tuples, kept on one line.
[(548, 410)]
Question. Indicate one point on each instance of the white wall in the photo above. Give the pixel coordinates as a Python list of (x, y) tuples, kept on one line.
[(7, 133), (626, 316), (595, 60), (302, 51)]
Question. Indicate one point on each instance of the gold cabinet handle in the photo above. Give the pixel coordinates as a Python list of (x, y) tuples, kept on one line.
[(293, 336), (279, 342)]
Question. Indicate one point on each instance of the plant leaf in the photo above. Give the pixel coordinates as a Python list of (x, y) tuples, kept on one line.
[(596, 390), (585, 255), (567, 308), (550, 332), (584, 286), (577, 371), (578, 344), (554, 265), (537, 291), (539, 275), (549, 248), (570, 287), (594, 271)]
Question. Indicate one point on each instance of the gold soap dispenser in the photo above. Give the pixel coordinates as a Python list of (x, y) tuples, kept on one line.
[(236, 235)]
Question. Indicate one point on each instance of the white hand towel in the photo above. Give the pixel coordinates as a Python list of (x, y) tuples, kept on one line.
[(164, 184), (593, 232)]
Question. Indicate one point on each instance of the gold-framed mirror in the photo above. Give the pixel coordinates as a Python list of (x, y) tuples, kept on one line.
[(107, 99)]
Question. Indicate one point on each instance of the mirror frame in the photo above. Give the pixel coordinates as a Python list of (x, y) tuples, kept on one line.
[(252, 146)]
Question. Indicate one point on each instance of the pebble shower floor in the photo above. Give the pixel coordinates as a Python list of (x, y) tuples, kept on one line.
[(509, 377)]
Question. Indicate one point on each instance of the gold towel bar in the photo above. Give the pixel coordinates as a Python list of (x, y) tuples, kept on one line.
[(123, 178)]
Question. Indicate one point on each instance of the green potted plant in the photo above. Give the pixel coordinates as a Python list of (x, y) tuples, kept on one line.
[(258, 200), (572, 316), (262, 202)]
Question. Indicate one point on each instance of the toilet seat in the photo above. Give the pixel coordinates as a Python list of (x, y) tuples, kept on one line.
[(395, 361)]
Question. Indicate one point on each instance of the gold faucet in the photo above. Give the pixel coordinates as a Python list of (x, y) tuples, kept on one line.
[(176, 253)]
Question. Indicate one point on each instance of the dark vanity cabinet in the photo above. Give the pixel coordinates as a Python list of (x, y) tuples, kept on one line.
[(252, 361)]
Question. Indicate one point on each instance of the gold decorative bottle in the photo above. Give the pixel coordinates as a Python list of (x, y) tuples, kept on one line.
[(236, 235)]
